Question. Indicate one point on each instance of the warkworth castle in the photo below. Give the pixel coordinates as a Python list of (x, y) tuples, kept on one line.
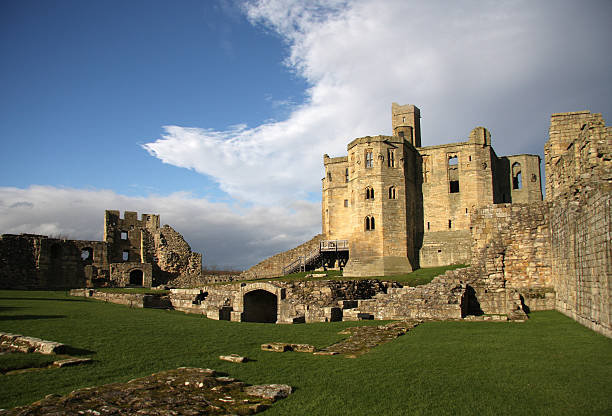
[(402, 206)]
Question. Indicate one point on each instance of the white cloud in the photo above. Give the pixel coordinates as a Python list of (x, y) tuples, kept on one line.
[(226, 235), (505, 65)]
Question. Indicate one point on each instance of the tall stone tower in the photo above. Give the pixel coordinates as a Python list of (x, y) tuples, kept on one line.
[(406, 122), (382, 200)]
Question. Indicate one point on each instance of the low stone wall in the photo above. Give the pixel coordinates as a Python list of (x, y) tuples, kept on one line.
[(273, 266), (133, 300)]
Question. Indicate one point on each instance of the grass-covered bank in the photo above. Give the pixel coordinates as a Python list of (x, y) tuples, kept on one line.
[(415, 278), (548, 365)]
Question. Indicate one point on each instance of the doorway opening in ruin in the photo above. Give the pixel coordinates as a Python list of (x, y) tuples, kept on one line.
[(136, 278), (260, 306)]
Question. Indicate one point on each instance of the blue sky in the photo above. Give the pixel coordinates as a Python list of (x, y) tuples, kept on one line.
[(216, 114), (84, 83)]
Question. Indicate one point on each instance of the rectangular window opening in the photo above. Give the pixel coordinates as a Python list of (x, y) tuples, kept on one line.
[(346, 203), (124, 235), (450, 224), (428, 225), (454, 187), (126, 255)]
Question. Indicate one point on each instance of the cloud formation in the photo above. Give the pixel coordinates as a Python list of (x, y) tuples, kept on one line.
[(228, 236), (505, 65)]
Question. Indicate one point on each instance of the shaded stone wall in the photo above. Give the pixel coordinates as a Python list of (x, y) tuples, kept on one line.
[(579, 170), (38, 262), (273, 266)]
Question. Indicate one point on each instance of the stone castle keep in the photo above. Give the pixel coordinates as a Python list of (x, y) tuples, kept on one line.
[(402, 206), (136, 252)]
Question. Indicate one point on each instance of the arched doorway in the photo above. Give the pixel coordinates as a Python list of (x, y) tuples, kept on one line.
[(136, 277), (260, 306)]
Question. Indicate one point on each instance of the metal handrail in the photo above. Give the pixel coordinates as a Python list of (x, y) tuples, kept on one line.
[(325, 245)]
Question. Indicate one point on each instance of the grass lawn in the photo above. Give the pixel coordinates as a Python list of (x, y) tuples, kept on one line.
[(415, 278), (549, 365)]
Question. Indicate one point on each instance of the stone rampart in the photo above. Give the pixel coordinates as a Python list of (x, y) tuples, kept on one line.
[(273, 266)]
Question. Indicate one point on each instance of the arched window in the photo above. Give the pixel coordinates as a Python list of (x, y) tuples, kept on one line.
[(369, 223), (369, 193), (517, 182), (392, 193)]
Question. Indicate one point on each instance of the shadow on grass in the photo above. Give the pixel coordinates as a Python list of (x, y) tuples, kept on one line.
[(47, 299), (68, 350), (29, 317)]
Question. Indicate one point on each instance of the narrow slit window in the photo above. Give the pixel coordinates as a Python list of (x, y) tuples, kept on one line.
[(517, 182), (329, 177), (346, 175), (450, 224), (427, 225), (369, 159), (391, 158)]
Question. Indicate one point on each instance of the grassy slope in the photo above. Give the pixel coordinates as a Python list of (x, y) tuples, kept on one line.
[(548, 365), (415, 278)]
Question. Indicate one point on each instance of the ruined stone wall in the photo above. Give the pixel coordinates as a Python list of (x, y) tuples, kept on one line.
[(273, 266), (124, 236), (39, 262), (565, 159), (440, 248), (580, 179)]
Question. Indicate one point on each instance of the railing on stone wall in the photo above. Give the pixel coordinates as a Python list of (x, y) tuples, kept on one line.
[(300, 263)]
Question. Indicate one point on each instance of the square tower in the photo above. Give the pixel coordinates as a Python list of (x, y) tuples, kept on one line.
[(406, 122)]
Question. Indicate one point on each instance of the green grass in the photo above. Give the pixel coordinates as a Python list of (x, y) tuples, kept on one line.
[(415, 278), (135, 290), (549, 365), (18, 361)]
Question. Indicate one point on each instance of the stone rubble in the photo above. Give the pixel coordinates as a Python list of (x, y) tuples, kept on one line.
[(184, 391)]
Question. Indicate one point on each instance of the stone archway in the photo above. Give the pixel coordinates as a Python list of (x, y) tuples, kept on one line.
[(136, 278), (260, 306)]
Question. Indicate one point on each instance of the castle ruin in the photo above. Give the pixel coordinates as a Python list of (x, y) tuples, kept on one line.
[(135, 252)]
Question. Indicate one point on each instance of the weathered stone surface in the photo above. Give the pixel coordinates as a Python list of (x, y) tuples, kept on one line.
[(72, 361), (184, 391), (364, 338), (272, 392), (233, 358), (30, 344), (285, 346)]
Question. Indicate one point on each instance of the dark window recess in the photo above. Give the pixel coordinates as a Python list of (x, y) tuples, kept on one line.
[(369, 223), (428, 225), (454, 187), (346, 175), (346, 203), (329, 176), (450, 224)]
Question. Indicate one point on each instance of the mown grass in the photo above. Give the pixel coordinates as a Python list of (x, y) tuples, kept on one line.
[(415, 278), (18, 361), (549, 365), (134, 290)]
